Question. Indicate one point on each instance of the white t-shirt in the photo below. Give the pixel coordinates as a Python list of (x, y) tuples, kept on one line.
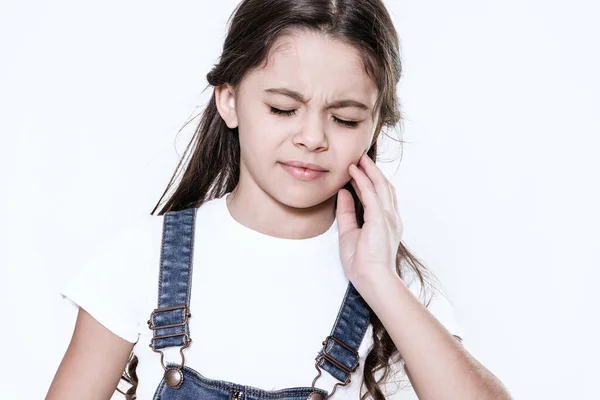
[(260, 305)]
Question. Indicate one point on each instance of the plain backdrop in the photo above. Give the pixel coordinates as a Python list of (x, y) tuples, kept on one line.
[(498, 182)]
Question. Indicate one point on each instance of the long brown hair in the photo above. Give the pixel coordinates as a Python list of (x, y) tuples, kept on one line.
[(210, 165)]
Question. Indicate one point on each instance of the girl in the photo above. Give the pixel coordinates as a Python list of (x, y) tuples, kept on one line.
[(302, 288)]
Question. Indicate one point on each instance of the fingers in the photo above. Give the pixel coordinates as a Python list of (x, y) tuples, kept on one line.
[(356, 188), (379, 184), (345, 212), (367, 194)]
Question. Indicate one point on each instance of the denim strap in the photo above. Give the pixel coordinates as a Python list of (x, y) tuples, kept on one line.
[(349, 328), (174, 288)]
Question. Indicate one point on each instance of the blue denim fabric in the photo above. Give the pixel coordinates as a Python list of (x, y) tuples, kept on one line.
[(338, 355)]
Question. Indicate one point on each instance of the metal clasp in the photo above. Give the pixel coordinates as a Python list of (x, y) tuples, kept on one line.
[(330, 358), (173, 375), (157, 310)]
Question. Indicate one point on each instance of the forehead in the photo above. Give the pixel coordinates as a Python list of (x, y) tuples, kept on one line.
[(316, 65)]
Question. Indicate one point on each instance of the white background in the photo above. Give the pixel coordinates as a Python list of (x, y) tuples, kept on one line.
[(498, 185)]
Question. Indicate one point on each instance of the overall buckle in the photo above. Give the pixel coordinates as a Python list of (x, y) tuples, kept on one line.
[(315, 395), (173, 375)]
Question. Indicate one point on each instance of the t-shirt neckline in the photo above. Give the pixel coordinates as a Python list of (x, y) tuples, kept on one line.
[(242, 232)]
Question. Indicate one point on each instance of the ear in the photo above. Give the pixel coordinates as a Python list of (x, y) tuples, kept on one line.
[(225, 101)]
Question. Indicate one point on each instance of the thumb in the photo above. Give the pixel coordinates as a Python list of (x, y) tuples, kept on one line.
[(345, 212)]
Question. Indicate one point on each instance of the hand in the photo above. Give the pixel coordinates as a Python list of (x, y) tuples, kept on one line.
[(369, 253)]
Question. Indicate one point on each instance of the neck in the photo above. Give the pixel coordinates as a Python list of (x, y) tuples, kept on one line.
[(259, 211)]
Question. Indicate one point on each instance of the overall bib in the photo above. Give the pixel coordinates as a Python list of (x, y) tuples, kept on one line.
[(169, 322)]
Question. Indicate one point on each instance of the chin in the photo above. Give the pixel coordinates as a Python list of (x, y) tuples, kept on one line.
[(298, 197)]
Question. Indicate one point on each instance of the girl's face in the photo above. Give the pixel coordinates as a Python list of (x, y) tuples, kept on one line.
[(312, 103)]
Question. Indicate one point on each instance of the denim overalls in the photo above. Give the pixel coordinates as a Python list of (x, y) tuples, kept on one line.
[(169, 322)]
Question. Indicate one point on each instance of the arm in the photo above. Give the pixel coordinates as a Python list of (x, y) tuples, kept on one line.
[(440, 367), (93, 362)]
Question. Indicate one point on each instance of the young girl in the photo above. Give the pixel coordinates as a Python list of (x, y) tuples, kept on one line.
[(301, 287)]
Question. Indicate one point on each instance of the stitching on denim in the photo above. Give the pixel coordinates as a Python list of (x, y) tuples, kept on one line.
[(204, 381), (168, 224), (162, 253), (344, 301), (159, 389), (249, 390), (364, 330), (160, 269), (282, 393), (362, 334), (191, 264), (339, 315)]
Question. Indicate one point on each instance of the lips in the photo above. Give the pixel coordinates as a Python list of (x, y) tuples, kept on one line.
[(304, 165), (303, 171)]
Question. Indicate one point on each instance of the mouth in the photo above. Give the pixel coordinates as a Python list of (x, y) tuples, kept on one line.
[(300, 164), (303, 171)]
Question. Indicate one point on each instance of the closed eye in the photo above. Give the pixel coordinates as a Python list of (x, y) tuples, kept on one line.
[(350, 124), (282, 112)]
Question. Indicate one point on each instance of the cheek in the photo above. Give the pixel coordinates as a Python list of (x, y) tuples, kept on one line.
[(259, 139), (267, 129), (349, 151), (341, 160)]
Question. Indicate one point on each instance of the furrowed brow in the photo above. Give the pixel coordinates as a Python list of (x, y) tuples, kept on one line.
[(345, 103)]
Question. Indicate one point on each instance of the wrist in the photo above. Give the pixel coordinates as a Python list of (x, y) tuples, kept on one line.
[(379, 285), (384, 292)]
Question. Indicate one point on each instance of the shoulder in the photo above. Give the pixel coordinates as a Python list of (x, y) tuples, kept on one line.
[(114, 281), (130, 251)]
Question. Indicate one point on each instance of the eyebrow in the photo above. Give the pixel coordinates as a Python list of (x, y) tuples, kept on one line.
[(300, 98)]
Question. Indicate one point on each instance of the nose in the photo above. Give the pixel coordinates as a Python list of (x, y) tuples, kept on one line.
[(312, 135)]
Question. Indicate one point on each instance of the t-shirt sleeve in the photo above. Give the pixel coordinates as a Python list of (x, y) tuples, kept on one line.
[(111, 283), (438, 303)]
